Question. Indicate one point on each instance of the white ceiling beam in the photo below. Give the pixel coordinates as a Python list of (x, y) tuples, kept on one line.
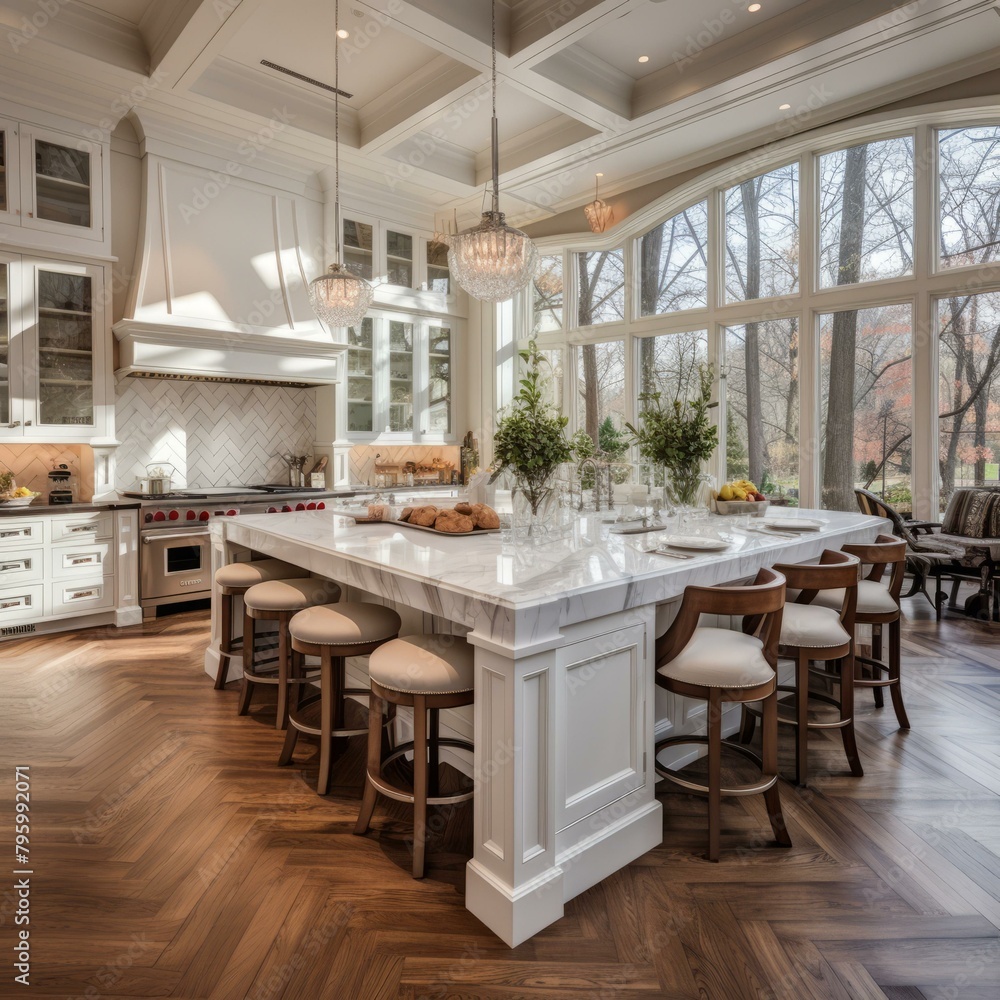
[(185, 36)]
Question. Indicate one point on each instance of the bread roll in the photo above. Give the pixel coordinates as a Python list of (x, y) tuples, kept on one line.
[(424, 515), (454, 523)]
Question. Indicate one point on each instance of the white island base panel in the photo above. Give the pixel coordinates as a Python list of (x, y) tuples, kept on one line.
[(564, 635)]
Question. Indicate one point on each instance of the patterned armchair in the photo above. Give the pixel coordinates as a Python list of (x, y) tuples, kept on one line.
[(928, 556)]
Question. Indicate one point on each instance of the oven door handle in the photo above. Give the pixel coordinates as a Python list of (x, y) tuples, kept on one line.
[(149, 539)]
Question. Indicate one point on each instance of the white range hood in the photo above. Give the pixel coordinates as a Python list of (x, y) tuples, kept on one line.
[(220, 282)]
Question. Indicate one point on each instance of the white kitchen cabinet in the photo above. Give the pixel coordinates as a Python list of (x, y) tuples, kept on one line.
[(57, 569), (52, 189), (54, 343), (400, 379), (399, 259)]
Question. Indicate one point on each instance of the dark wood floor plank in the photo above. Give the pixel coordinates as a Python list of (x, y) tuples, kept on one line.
[(159, 812)]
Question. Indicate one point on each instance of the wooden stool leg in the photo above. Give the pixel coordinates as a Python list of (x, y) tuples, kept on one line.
[(895, 663), (802, 715), (326, 704), (433, 755), (748, 722), (291, 738), (225, 639), (284, 655), (847, 713), (714, 774), (374, 766), (246, 688), (769, 758), (877, 692), (419, 784)]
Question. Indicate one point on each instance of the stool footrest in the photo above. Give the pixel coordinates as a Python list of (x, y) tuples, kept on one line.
[(750, 788)]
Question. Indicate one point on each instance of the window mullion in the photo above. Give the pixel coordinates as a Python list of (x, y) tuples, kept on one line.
[(925, 353), (810, 446)]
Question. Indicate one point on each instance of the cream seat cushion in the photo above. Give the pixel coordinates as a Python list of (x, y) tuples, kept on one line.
[(873, 599), (239, 575), (348, 624), (424, 664), (722, 658), (811, 626), (291, 595)]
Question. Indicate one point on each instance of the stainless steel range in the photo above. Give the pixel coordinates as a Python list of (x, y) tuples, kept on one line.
[(175, 553)]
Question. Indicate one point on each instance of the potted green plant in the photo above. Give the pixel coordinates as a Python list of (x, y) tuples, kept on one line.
[(530, 441), (678, 436)]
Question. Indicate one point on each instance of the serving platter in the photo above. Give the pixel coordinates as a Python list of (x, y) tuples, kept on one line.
[(434, 531)]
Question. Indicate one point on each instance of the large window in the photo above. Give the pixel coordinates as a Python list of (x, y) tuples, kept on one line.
[(866, 401), (969, 391), (969, 171), (674, 263), (762, 236), (866, 212), (762, 404), (800, 274), (601, 286)]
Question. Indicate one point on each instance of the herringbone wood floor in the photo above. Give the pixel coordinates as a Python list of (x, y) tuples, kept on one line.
[(172, 858)]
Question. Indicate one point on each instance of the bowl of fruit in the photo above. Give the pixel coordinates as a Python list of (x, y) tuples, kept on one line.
[(20, 497), (740, 497)]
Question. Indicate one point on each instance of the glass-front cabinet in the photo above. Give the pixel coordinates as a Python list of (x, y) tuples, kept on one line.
[(51, 188), (399, 380), (53, 351), (397, 260)]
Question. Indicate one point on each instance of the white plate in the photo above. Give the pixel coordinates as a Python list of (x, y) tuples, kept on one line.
[(791, 523), (699, 542)]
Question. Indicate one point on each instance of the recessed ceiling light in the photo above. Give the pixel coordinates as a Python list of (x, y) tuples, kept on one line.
[(644, 59), (784, 107), (343, 33), (599, 175), (753, 8)]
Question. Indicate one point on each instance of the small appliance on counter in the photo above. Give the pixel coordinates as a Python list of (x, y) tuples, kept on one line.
[(159, 479), (63, 485)]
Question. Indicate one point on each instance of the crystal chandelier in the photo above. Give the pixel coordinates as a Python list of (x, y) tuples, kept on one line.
[(599, 213), (492, 261), (340, 298)]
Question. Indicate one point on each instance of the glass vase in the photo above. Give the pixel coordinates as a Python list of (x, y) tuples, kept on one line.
[(533, 511)]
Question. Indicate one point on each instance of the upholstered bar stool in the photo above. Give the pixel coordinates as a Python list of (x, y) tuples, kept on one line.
[(333, 632), (427, 673), (235, 580), (720, 665), (278, 600), (878, 606), (811, 634)]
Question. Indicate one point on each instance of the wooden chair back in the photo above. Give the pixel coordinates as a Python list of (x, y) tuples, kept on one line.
[(760, 603), (836, 570), (885, 551)]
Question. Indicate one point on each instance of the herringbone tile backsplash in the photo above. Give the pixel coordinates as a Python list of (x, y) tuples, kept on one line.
[(214, 434)]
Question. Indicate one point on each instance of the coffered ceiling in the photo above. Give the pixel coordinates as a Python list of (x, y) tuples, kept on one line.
[(573, 96)]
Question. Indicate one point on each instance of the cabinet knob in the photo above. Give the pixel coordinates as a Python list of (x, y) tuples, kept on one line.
[(16, 423), (27, 423), (31, 215)]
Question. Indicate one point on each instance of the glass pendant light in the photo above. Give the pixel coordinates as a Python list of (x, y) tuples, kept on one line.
[(340, 298), (599, 213), (492, 261)]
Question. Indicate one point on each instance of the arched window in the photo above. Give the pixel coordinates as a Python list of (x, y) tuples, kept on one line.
[(843, 285)]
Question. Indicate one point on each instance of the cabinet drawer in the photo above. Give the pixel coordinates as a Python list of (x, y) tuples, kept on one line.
[(86, 527), (29, 531), (19, 566), (80, 562), (21, 603), (90, 595)]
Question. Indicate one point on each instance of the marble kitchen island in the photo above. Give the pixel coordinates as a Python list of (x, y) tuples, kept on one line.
[(565, 716)]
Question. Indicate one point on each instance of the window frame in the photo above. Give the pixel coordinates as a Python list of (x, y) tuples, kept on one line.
[(928, 281)]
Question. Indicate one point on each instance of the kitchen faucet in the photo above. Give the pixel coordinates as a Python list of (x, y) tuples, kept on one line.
[(598, 467)]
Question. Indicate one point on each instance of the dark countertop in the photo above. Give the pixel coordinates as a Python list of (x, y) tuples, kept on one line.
[(42, 506)]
